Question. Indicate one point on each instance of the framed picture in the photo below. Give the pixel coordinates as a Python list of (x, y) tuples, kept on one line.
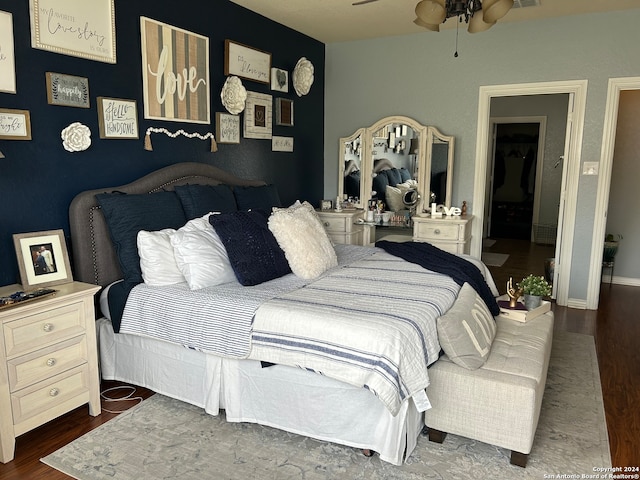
[(279, 80), (258, 116), (326, 205), (7, 54), (15, 124), (281, 144), (246, 62), (175, 73), (284, 112), (42, 258), (67, 90), (75, 27), (117, 118), (227, 128)]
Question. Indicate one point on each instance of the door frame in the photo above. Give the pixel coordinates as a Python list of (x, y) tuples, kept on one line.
[(541, 121), (616, 86), (577, 90)]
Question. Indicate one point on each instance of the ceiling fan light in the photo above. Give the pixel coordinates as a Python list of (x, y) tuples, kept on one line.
[(496, 9), (428, 26), (431, 12), (478, 23)]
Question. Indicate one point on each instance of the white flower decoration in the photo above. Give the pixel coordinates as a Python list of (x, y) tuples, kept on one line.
[(76, 137), (233, 95), (303, 76)]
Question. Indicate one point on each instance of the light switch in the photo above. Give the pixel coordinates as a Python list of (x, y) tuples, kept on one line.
[(590, 168)]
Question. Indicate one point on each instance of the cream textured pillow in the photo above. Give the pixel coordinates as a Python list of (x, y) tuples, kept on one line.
[(394, 195), (302, 237), (467, 330), (157, 262), (200, 255)]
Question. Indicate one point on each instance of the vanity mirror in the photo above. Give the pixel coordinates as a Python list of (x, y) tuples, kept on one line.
[(396, 150)]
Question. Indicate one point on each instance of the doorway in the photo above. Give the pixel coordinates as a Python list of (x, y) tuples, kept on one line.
[(576, 91)]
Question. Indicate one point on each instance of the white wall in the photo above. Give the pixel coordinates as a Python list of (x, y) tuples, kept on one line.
[(421, 78)]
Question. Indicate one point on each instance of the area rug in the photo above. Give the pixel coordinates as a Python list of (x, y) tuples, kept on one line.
[(488, 242), (494, 259), (162, 438)]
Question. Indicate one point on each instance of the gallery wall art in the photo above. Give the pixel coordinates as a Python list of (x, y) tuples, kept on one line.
[(7, 58), (175, 73)]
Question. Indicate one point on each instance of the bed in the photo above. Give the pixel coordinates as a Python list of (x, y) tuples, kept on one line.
[(267, 367)]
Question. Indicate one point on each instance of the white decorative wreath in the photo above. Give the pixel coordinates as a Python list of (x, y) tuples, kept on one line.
[(233, 95), (76, 137), (303, 76)]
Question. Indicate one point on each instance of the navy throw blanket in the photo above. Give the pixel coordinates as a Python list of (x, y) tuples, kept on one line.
[(437, 260)]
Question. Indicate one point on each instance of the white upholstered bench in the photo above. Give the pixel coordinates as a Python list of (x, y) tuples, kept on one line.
[(499, 402)]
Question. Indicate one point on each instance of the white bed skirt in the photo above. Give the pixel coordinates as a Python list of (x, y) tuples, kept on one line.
[(283, 397)]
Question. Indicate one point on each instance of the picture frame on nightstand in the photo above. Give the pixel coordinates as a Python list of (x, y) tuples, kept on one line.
[(43, 259), (326, 205)]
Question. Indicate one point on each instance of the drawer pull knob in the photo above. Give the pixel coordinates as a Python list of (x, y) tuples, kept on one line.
[(51, 362), (47, 327), (54, 392), (437, 231), (326, 224)]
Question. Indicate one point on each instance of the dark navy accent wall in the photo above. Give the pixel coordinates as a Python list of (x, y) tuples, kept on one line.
[(38, 178)]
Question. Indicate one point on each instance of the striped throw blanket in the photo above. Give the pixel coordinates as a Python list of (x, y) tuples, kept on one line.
[(370, 324)]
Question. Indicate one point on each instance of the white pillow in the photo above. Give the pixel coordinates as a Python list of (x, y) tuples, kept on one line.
[(302, 237), (157, 261), (200, 255), (394, 195)]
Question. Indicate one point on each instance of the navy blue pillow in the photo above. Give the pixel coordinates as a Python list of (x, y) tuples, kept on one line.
[(198, 200), (404, 175), (126, 215), (393, 174), (253, 251), (263, 197)]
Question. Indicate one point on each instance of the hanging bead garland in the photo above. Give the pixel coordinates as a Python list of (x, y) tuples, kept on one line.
[(150, 130)]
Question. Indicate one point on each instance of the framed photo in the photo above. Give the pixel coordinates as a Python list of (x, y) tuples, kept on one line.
[(75, 27), (258, 116), (246, 62), (279, 80), (281, 144), (67, 90), (326, 205), (7, 54), (185, 98), (227, 128), (15, 124), (117, 118), (42, 258), (284, 112)]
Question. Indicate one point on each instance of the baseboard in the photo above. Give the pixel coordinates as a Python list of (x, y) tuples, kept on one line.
[(577, 303), (631, 282)]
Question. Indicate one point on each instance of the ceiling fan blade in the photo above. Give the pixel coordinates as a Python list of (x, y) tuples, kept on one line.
[(362, 2)]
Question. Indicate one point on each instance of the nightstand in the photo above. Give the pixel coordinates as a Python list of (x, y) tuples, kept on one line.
[(48, 360), (341, 226), (451, 234)]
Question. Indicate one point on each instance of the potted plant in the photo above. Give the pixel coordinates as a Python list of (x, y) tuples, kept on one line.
[(610, 247), (534, 288)]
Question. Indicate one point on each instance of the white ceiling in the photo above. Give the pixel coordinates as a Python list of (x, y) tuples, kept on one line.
[(338, 20)]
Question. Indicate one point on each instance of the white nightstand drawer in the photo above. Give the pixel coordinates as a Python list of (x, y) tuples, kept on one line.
[(335, 223), (44, 363), (49, 396), (43, 328), (435, 231)]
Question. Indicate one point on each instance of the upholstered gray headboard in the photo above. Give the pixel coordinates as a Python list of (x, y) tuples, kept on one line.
[(94, 258)]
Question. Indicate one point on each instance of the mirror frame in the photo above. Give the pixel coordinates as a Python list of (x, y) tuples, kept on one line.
[(433, 135), (341, 145)]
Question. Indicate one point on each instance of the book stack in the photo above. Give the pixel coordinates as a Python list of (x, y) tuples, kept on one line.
[(520, 312)]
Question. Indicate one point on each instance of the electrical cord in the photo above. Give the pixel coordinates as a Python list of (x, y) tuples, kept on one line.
[(128, 397)]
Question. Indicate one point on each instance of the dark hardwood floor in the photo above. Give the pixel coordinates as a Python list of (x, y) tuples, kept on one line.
[(615, 326)]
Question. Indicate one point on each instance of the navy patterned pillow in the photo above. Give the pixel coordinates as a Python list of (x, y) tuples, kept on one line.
[(264, 197), (253, 251), (198, 200)]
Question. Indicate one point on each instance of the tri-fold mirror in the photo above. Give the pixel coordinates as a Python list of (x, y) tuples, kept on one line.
[(399, 162)]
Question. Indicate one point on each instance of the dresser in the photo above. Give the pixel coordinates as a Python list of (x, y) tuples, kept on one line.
[(48, 360), (341, 226), (452, 234)]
